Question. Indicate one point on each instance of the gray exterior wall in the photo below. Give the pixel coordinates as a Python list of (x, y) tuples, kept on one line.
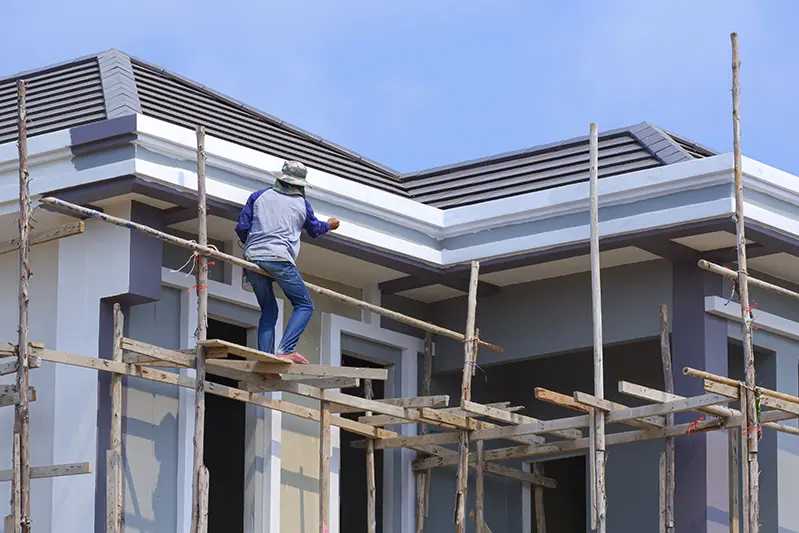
[(150, 425), (554, 316)]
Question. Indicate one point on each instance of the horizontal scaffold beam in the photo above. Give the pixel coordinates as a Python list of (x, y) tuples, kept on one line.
[(211, 252)]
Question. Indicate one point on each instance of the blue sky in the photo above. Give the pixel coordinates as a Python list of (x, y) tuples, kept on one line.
[(419, 83)]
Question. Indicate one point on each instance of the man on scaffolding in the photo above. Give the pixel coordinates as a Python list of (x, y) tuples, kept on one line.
[(269, 226)]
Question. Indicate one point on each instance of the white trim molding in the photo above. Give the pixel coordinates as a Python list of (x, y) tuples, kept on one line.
[(769, 322)]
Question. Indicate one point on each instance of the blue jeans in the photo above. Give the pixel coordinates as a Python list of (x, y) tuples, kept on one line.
[(289, 280)]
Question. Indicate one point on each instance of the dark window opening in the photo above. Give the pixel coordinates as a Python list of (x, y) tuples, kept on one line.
[(352, 472), (564, 507), (224, 444)]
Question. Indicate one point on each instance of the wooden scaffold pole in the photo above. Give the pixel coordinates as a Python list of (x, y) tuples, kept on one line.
[(200, 495), (752, 425), (598, 416), (470, 360), (371, 488), (114, 456), (423, 477), (21, 414), (667, 472)]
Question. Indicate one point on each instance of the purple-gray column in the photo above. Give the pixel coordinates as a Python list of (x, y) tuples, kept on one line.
[(699, 340)]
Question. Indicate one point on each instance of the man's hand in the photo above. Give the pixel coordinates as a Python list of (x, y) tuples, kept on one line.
[(334, 223)]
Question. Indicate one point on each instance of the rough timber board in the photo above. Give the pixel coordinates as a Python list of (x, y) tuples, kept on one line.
[(321, 371), (241, 351), (42, 237), (40, 472)]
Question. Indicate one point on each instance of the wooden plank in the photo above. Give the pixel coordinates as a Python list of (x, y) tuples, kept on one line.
[(557, 398), (114, 456), (669, 457), (9, 368), (538, 496), (386, 420), (156, 353), (675, 406), (513, 418), (9, 524), (41, 237), (241, 351), (647, 393), (417, 401), (41, 472), (324, 467), (293, 369), (329, 383), (608, 407), (534, 479), (479, 493), (21, 410), (13, 398)]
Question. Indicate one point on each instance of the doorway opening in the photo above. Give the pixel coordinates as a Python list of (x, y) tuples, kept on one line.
[(352, 471), (564, 507), (224, 444)]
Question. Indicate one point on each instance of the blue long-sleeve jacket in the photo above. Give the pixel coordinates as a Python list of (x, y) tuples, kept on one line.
[(270, 225)]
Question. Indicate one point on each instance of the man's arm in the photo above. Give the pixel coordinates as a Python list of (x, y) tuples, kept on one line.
[(314, 226), (245, 217)]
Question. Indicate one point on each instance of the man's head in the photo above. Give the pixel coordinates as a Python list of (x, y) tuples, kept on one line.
[(293, 173)]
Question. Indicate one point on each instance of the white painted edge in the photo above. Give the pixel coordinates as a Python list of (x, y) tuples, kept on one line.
[(764, 321), (332, 328)]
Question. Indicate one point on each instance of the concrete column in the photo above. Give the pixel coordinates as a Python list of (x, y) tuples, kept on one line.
[(699, 340)]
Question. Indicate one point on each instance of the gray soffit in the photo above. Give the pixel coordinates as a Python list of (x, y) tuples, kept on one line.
[(113, 84)]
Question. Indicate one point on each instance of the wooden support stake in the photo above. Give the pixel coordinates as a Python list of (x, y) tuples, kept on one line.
[(479, 492), (427, 381), (744, 443), (200, 503), (204, 485), (420, 501), (371, 489), (662, 493), (22, 416), (538, 497), (470, 359), (668, 380), (114, 457), (734, 479), (324, 467), (16, 508), (596, 297), (743, 288), (112, 496)]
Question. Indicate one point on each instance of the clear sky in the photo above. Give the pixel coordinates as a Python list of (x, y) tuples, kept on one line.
[(420, 83)]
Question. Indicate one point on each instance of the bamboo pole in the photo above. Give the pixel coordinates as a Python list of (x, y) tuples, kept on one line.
[(200, 504), (22, 415), (538, 497), (479, 492), (470, 359), (734, 480), (743, 287), (324, 466), (216, 254), (114, 457), (668, 380), (596, 297), (371, 489), (754, 282)]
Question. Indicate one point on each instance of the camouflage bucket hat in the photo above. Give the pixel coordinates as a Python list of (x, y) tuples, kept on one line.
[(293, 173)]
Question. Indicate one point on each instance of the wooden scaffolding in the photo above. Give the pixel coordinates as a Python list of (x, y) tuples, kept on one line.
[(467, 426)]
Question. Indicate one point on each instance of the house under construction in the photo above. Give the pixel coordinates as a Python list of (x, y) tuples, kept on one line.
[(457, 311)]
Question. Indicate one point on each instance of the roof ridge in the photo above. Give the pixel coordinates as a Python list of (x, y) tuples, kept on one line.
[(652, 138), (119, 84)]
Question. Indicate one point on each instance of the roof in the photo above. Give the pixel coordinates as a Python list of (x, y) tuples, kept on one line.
[(112, 84)]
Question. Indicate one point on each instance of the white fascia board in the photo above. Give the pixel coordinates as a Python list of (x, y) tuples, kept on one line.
[(169, 139), (574, 198)]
